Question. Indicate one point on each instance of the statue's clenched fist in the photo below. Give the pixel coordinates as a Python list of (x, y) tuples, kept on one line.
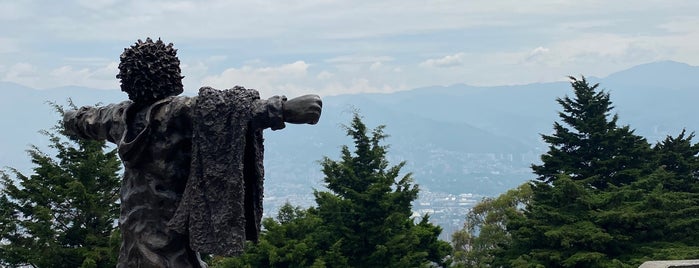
[(303, 110)]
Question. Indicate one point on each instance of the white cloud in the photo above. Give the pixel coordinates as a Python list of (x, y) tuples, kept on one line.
[(100, 77), (96, 5), (446, 61), (295, 79), (8, 45), (15, 10), (194, 73), (681, 25), (267, 80), (357, 85), (103, 77), (595, 53), (356, 59), (537, 53), (21, 73), (325, 75), (216, 58), (346, 41)]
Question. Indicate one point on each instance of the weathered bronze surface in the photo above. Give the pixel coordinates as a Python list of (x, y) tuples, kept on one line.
[(193, 166)]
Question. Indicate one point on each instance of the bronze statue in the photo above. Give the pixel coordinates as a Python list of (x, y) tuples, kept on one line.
[(192, 165)]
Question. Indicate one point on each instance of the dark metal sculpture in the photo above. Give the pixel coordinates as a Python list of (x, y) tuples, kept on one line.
[(193, 170)]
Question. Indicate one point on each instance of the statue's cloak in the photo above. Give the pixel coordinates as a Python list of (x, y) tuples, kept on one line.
[(222, 203)]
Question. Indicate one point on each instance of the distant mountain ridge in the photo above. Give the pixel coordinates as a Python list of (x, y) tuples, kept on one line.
[(456, 139)]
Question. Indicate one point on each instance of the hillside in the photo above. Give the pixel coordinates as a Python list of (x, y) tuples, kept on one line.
[(456, 139)]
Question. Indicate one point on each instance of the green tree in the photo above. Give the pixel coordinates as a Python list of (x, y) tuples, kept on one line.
[(64, 214), (678, 155), (484, 232), (369, 207), (603, 197), (289, 240), (592, 147), (661, 210), (589, 157), (364, 220)]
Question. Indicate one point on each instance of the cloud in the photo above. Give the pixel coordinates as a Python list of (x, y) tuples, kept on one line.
[(356, 59), (96, 5), (9, 45), (606, 51), (100, 77), (681, 25), (21, 73), (537, 53), (325, 75), (103, 77), (343, 41), (15, 10), (297, 78), (264, 79), (446, 61), (357, 85)]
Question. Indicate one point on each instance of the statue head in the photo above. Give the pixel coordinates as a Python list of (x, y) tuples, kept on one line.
[(150, 71)]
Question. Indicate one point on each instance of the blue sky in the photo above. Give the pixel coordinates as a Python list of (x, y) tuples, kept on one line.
[(334, 47)]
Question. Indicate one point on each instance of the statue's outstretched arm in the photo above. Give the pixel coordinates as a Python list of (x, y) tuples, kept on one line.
[(96, 123), (303, 110), (275, 111)]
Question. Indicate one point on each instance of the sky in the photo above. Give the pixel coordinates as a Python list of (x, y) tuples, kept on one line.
[(332, 47)]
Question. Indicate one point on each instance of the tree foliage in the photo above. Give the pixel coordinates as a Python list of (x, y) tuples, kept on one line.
[(64, 214), (603, 196), (591, 146), (484, 231), (364, 220)]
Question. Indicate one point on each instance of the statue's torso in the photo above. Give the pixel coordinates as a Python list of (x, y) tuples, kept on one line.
[(156, 151)]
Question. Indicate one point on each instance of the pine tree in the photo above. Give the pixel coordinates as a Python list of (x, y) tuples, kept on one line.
[(592, 148), (590, 160), (364, 220), (64, 214), (679, 156), (369, 207), (662, 210)]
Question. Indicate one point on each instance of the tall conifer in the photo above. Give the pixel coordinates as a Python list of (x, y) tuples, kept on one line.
[(589, 145), (364, 220), (64, 213), (589, 157)]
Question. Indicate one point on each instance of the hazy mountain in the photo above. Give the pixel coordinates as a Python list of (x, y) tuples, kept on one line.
[(456, 139)]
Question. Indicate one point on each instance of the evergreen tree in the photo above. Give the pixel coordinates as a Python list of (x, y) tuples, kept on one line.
[(603, 197), (592, 148), (558, 229), (64, 214), (589, 161), (364, 220), (679, 156), (369, 207), (289, 240), (661, 211)]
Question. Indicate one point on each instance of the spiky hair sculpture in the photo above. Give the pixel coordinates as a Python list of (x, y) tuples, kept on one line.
[(150, 71)]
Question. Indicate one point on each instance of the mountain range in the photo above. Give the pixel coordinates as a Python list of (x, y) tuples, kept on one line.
[(455, 139)]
